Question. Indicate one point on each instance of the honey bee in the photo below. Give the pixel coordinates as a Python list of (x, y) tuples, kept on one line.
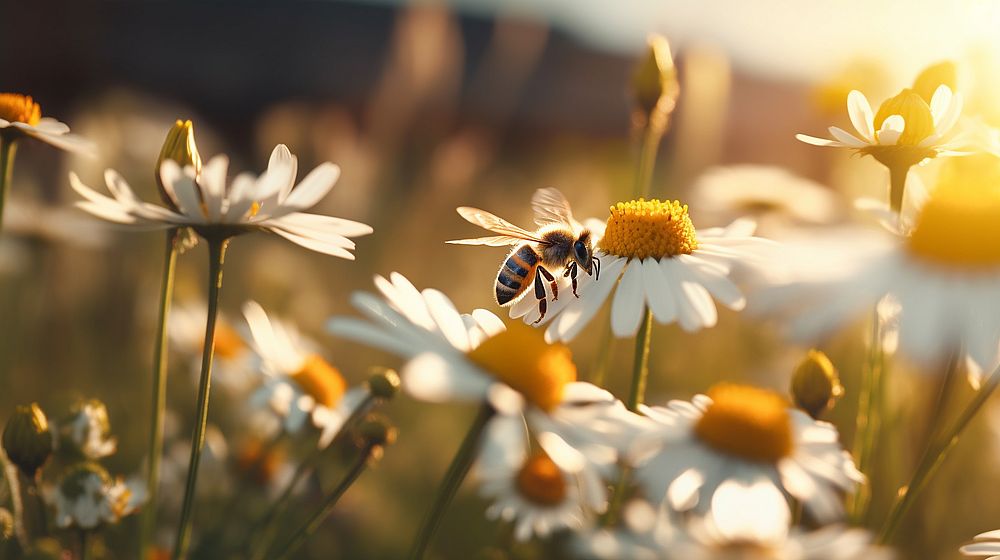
[(559, 243)]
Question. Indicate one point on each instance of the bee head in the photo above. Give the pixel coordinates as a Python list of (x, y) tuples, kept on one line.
[(583, 253)]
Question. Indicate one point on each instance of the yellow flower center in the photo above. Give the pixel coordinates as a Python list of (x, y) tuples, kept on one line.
[(228, 343), (320, 380), (959, 226), (746, 422), (916, 113), (540, 481), (259, 461), (522, 359), (649, 228), (15, 107)]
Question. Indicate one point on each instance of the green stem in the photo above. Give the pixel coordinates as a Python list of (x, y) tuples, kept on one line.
[(316, 519), (281, 504), (640, 366), (216, 255), (159, 405), (652, 133), (12, 474), (8, 147), (84, 544), (897, 186), (460, 466), (610, 516), (934, 457), (867, 422)]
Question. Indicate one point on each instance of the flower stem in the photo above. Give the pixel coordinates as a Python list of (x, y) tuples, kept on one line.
[(897, 186), (217, 255), (84, 544), (12, 474), (8, 147), (652, 133), (868, 422), (159, 404), (460, 466), (264, 527), (935, 455), (640, 366), (316, 519)]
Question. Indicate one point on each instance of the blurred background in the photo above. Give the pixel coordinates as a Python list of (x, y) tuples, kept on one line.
[(427, 106)]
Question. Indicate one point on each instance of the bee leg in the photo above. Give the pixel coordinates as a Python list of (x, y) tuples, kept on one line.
[(597, 269), (552, 282), (540, 296), (572, 274)]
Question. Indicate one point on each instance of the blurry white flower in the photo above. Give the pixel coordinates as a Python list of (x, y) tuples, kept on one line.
[(88, 429), (944, 277), (87, 496), (20, 115), (271, 202), (984, 544), (723, 194), (213, 472), (300, 384), (234, 366), (29, 218), (744, 440), (661, 262)]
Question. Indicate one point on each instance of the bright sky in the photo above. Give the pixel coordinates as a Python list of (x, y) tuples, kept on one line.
[(787, 38)]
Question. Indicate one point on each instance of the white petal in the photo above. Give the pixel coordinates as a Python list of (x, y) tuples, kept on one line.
[(313, 187), (847, 138), (818, 141), (860, 112), (432, 378), (659, 295), (626, 309)]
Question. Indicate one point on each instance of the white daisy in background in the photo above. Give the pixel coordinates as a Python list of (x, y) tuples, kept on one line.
[(300, 384), (235, 366), (652, 256), (87, 496), (944, 277), (202, 201), (905, 127), (216, 479), (772, 195), (88, 430), (748, 437), (542, 490), (20, 115), (266, 464), (984, 544)]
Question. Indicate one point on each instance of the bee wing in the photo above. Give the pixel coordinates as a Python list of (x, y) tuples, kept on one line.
[(494, 241), (496, 224), (551, 207)]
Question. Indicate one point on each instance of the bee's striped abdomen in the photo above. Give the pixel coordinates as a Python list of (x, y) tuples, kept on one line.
[(516, 273)]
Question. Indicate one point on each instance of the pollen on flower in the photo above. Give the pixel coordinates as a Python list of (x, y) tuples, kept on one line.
[(649, 228), (522, 359), (540, 481), (747, 422), (15, 107), (320, 380), (916, 113), (959, 227)]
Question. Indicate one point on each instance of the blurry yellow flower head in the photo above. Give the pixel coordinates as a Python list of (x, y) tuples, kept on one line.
[(15, 107), (541, 481), (960, 225), (747, 422), (21, 116)]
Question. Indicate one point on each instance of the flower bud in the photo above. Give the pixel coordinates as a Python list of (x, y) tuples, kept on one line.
[(384, 383), (815, 384), (27, 439), (87, 431), (179, 146), (654, 84), (376, 430), (934, 76)]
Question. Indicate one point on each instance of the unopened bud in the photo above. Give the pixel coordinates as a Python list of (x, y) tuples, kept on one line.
[(384, 383), (934, 76), (815, 384), (654, 84), (6, 525), (27, 439), (377, 431), (179, 146)]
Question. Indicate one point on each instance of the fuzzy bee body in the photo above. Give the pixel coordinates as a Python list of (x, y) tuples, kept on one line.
[(560, 244)]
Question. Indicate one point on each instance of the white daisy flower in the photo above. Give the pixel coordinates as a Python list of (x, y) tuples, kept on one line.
[(214, 473), (905, 127), (88, 430), (747, 436), (202, 201), (984, 544), (766, 192), (552, 488), (234, 366), (87, 496), (265, 464), (20, 115), (300, 384), (651, 255), (944, 277)]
